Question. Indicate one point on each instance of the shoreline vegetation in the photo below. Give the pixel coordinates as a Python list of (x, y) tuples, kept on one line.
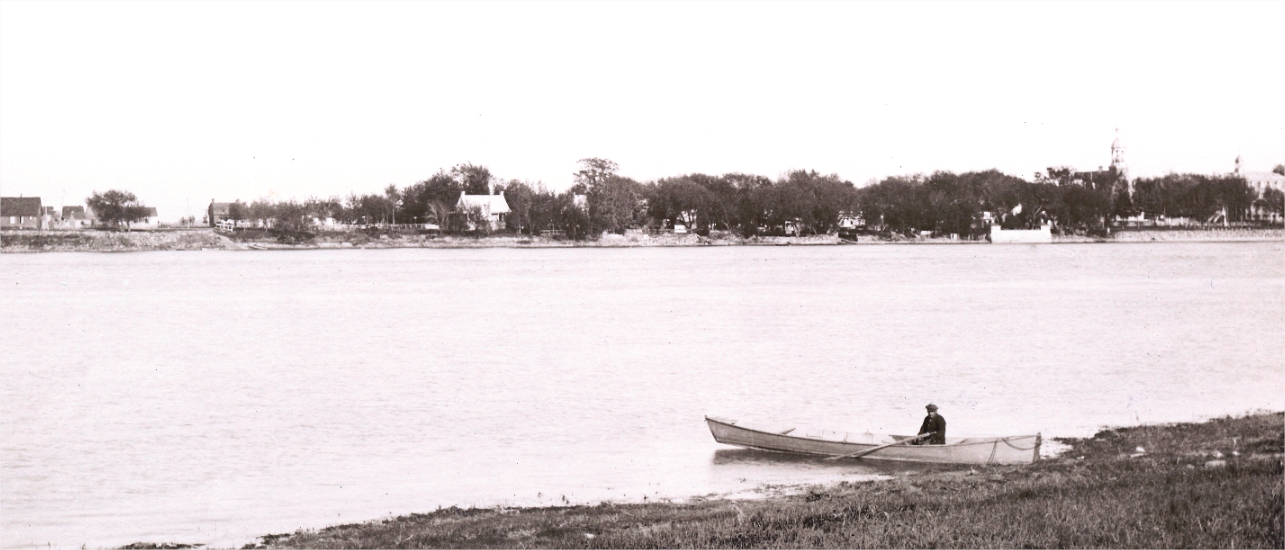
[(28, 241), (1212, 484), (468, 201)]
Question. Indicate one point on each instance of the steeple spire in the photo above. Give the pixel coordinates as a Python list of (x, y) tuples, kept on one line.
[(1117, 152)]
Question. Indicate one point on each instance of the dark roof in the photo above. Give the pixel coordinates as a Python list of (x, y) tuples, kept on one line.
[(20, 206), (76, 213), (151, 211)]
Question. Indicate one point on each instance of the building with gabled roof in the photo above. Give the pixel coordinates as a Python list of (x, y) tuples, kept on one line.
[(151, 221), (21, 213), (492, 207), (1260, 181), (76, 217)]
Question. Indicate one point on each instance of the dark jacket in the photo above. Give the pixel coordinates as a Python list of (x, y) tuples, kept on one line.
[(934, 424)]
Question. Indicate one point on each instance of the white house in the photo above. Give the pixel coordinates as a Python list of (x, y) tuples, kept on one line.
[(493, 207), (150, 221), (1260, 181)]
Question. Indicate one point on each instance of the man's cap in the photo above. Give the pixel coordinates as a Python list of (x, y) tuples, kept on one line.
[(931, 407)]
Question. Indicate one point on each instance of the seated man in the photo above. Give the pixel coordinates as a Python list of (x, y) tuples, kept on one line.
[(934, 424)]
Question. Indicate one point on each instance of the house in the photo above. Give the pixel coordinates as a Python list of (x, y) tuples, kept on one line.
[(1260, 181), (76, 217), (217, 211), (231, 214), (21, 213), (151, 221), (492, 207)]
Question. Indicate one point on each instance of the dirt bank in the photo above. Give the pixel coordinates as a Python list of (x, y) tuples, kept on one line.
[(109, 241), (208, 239), (1199, 235)]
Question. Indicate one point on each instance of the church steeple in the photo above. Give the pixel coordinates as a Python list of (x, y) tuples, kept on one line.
[(1117, 157), (1117, 151), (1117, 163)]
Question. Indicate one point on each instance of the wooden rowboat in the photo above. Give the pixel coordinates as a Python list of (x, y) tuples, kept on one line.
[(1016, 449)]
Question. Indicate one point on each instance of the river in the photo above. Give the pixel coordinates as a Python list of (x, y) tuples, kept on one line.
[(211, 397)]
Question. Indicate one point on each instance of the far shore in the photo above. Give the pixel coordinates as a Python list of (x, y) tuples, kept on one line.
[(29, 241)]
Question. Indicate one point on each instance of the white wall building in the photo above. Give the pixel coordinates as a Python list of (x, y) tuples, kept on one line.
[(493, 207)]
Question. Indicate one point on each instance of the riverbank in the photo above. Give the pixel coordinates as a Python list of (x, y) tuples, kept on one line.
[(207, 239), (109, 241), (1215, 484)]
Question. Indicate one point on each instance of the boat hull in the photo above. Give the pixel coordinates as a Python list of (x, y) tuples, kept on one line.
[(1018, 449), (1021, 236)]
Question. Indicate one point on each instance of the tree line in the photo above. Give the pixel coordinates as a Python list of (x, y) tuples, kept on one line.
[(801, 201)]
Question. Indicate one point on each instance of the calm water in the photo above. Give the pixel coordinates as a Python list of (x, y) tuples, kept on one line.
[(216, 396)]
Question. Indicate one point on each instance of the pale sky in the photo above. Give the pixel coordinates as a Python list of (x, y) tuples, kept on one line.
[(182, 102)]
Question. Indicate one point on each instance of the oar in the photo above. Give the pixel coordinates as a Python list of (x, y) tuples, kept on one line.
[(881, 447)]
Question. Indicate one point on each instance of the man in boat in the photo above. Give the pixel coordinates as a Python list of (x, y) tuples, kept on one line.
[(934, 424)]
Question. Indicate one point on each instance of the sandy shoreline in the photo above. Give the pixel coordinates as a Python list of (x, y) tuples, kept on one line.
[(13, 241)]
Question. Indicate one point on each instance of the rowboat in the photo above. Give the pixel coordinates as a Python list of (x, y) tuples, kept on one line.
[(1015, 449)]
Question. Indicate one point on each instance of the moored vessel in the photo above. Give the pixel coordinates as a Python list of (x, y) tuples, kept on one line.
[(1015, 449)]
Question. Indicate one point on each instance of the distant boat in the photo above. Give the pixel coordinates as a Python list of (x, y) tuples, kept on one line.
[(1034, 236), (1017, 449)]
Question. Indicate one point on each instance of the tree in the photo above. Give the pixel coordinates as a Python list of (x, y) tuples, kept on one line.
[(681, 199), (238, 211), (117, 208), (261, 212), (615, 202), (376, 209), (569, 217), (474, 180), (1083, 207), (438, 213), (594, 171), (470, 218), (292, 221), (1235, 196), (1279, 169), (725, 197), (418, 199), (822, 198), (394, 198), (1121, 202), (322, 209), (1275, 200), (521, 197), (897, 202)]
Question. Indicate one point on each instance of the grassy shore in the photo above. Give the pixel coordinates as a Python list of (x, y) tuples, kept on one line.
[(1216, 484)]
